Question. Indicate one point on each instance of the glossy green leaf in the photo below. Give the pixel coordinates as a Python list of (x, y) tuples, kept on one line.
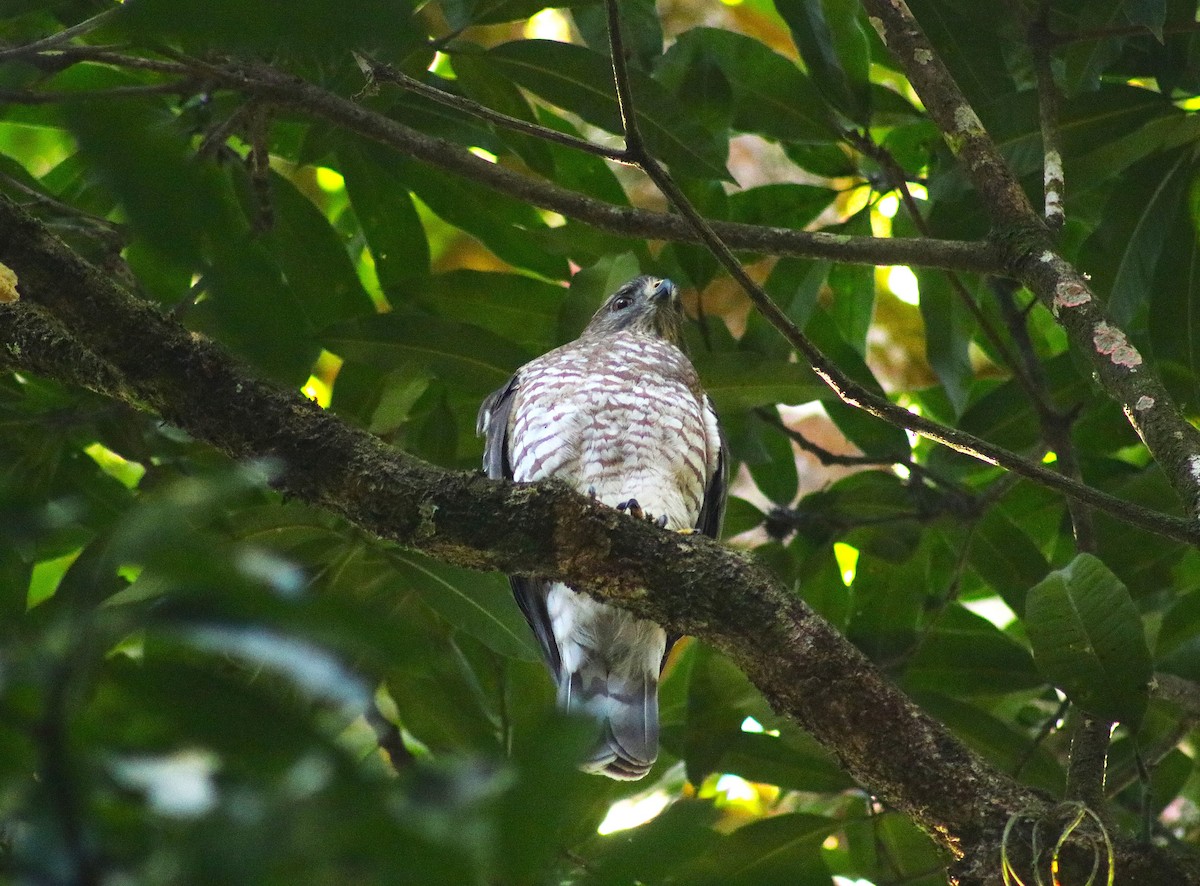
[(770, 94), (783, 205), (1088, 639), (1174, 298), (776, 476), (576, 79), (473, 76), (1136, 223), (781, 848), (521, 309), (501, 223), (949, 327), (886, 601), (871, 435), (480, 604), (467, 356), (835, 49), (460, 13), (385, 211), (740, 381), (965, 654), (313, 259), (1149, 14), (1006, 558), (853, 303), (271, 28), (642, 29), (655, 852)]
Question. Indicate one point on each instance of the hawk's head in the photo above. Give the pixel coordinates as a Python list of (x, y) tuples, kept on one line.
[(649, 305)]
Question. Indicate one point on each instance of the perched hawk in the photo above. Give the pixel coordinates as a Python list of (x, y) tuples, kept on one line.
[(618, 414)]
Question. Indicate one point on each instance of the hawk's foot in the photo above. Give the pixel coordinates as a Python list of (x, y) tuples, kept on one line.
[(635, 511), (687, 530)]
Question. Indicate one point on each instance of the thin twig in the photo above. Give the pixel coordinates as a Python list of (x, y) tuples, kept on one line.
[(1040, 46), (101, 228), (388, 74), (84, 27), (29, 97), (1126, 31)]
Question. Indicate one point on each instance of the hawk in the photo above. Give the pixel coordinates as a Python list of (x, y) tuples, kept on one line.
[(618, 414)]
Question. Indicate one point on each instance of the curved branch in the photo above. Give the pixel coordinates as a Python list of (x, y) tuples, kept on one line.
[(289, 91)]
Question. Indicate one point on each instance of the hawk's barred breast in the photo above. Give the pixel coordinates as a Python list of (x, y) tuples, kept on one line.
[(624, 418)]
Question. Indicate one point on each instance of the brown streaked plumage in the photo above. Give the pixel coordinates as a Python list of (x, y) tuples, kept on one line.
[(619, 414)]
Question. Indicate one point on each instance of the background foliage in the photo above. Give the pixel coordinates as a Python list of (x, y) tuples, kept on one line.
[(185, 658)]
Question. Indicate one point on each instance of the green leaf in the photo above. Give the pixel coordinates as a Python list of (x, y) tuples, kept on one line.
[(770, 94), (269, 28), (654, 852), (1136, 222), (779, 849), (977, 59), (473, 76), (965, 654), (776, 477), (736, 380), (461, 13), (1174, 321), (471, 358), (642, 30), (501, 223), (853, 305), (388, 218), (1150, 14), (313, 258), (1088, 639), (949, 327), (1006, 558), (579, 80), (836, 51), (479, 603), (781, 205), (871, 435), (886, 604), (440, 698), (580, 171), (520, 309)]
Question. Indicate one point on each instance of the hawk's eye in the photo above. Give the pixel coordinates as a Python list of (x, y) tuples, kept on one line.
[(621, 302)]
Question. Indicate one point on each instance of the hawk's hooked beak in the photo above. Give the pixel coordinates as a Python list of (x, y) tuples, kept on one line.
[(667, 309), (664, 291)]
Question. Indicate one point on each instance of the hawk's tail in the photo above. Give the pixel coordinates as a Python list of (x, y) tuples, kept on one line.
[(626, 706)]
